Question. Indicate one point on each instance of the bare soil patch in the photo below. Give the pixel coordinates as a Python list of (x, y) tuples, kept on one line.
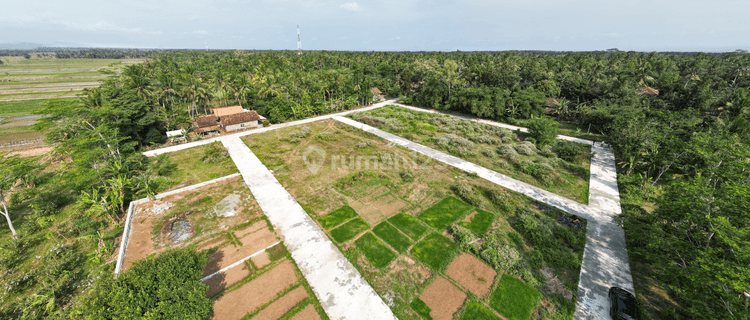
[(225, 279), (280, 307), (308, 313), (251, 228), (472, 274), (261, 260), (469, 217), (237, 303), (443, 298), (373, 211), (251, 243), (141, 243)]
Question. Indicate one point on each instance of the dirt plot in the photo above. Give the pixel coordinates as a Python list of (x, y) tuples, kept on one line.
[(237, 303), (376, 211), (443, 298), (308, 313), (280, 307), (261, 260), (225, 279), (251, 243), (472, 274)]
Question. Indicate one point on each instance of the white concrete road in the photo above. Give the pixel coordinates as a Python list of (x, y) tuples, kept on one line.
[(342, 291)]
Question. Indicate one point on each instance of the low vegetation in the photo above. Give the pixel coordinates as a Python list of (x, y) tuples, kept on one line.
[(349, 230), (514, 299), (378, 254), (392, 236), (337, 217), (445, 212), (409, 225), (434, 250)]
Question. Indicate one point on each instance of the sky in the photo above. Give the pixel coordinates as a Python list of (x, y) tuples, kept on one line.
[(388, 25)]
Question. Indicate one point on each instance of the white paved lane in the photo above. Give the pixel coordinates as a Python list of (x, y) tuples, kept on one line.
[(342, 291), (605, 257)]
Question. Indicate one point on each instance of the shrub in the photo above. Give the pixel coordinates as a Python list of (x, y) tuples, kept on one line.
[(299, 134), (326, 136), (544, 130), (540, 170), (407, 175), (547, 151), (509, 153), (467, 193), (485, 139), (451, 140), (501, 257), (214, 153), (462, 235), (501, 199), (526, 148), (166, 286), (569, 151), (489, 153), (363, 144)]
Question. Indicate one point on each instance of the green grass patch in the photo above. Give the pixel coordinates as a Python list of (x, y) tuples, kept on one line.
[(475, 311), (409, 225), (337, 217), (191, 169), (480, 223), (514, 299), (276, 252), (20, 108), (445, 212), (349, 230), (434, 250), (392, 236), (421, 308), (375, 251)]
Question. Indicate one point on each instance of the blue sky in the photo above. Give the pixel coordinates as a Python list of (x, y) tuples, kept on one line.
[(577, 25)]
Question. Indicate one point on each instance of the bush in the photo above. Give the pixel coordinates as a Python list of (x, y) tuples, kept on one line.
[(467, 193), (547, 151), (214, 153), (502, 257), (326, 136), (166, 286), (526, 148), (509, 153), (543, 130), (462, 235), (451, 140), (569, 151), (501, 199), (407, 175), (297, 135), (162, 165), (542, 171), (489, 153)]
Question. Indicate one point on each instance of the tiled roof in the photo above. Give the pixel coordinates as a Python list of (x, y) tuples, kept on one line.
[(239, 118), (225, 111), (648, 91), (376, 91), (206, 121), (207, 129)]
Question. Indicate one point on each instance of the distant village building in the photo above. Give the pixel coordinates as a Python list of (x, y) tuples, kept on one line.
[(227, 119), (241, 121), (176, 135), (377, 94), (648, 91), (207, 126)]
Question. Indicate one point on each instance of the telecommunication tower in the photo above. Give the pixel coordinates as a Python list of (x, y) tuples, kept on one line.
[(299, 42)]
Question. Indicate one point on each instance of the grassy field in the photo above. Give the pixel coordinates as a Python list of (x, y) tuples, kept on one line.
[(20, 108), (46, 77), (514, 299), (388, 188), (495, 148), (194, 166)]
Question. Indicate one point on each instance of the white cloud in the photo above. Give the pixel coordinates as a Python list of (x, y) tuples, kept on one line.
[(350, 6), (200, 33)]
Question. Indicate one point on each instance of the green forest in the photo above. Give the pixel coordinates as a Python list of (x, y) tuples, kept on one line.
[(678, 125)]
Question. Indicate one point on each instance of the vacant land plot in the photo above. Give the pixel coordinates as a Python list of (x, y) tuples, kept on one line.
[(409, 225), (392, 236), (199, 164), (349, 230), (330, 165), (337, 217), (478, 222), (495, 148), (445, 212), (191, 217), (434, 250), (472, 274), (443, 299), (514, 299), (475, 311), (377, 253)]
